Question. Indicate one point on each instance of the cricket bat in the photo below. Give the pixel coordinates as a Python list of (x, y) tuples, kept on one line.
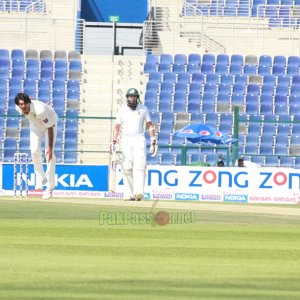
[(112, 171)]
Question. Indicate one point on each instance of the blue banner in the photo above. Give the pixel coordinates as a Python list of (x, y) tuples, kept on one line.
[(67, 177)]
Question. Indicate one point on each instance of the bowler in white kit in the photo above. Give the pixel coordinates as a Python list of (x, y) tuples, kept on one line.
[(132, 117), (43, 125)]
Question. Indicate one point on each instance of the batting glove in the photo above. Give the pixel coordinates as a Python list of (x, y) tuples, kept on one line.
[(113, 146), (153, 147)]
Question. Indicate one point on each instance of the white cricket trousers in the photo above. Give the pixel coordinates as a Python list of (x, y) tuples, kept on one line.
[(134, 164), (36, 138)]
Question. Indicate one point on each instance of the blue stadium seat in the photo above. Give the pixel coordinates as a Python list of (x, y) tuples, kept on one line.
[(221, 69), (237, 98), (258, 160), (15, 83), (208, 107), (151, 86), (44, 96), (164, 106), (264, 70), (292, 70), (152, 160), (70, 157), (238, 88), (18, 64), (166, 59), (17, 73), (180, 59), (166, 87), (280, 99), (149, 67), (279, 60), (4, 68), (155, 117), (193, 68), (193, 107), (47, 64), (10, 147), (58, 94), (178, 69), (44, 84), (198, 77), (180, 97), (194, 97), (267, 90), (208, 59), (179, 107), (150, 97), (278, 70), (207, 68), (295, 89), (196, 87), (169, 77), (224, 88), (163, 138), (287, 161), (294, 99), (237, 59), (155, 76), (270, 79), (164, 68), (226, 79), (265, 148), (17, 54), (272, 161), (4, 54), (250, 69), (210, 88), (223, 59), (294, 109), (73, 94), (253, 88), (74, 65), (152, 58), (181, 87), (240, 79), (71, 84), (183, 78), (251, 108), (60, 74), (167, 159), (212, 78), (265, 60), (294, 61), (194, 59), (60, 85)]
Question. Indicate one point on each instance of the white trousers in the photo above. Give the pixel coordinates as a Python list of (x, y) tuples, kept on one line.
[(37, 136), (134, 165)]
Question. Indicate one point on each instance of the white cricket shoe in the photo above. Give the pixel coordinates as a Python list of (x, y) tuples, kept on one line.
[(139, 197), (47, 194), (39, 185)]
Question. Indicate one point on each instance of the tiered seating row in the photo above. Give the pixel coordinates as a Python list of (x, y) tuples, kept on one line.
[(281, 13)]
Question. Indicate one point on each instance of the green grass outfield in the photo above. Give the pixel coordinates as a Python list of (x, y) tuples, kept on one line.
[(60, 251)]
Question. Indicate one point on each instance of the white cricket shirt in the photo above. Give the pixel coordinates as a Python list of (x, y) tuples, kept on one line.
[(133, 121), (41, 115)]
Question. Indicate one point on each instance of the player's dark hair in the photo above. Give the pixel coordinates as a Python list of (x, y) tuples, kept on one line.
[(22, 96)]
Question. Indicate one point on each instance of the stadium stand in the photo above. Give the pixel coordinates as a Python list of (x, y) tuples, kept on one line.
[(35, 77), (274, 95)]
